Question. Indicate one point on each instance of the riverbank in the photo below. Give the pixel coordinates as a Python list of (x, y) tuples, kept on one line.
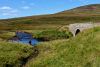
[(80, 51)]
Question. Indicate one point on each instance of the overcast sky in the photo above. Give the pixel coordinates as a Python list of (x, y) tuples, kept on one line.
[(20, 8)]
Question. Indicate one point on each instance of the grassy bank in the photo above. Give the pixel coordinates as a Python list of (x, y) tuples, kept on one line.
[(42, 35), (13, 54), (48, 35), (4, 35), (80, 51)]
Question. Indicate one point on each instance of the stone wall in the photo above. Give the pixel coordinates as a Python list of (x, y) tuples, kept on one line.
[(73, 28)]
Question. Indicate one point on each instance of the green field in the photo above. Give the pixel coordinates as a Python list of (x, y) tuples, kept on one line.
[(59, 49), (80, 51), (14, 54)]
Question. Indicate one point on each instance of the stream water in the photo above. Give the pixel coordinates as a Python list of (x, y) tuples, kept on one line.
[(28, 41), (25, 38)]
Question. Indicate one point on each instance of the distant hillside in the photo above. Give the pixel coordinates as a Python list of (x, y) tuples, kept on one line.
[(93, 9), (80, 14)]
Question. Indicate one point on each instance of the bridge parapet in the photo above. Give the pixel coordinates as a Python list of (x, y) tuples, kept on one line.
[(73, 28)]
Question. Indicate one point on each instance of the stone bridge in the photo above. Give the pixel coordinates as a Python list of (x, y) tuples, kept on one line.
[(78, 27)]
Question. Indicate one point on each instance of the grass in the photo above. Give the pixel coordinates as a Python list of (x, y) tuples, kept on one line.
[(53, 21), (48, 35), (6, 35), (47, 22), (13, 54), (80, 51), (42, 35)]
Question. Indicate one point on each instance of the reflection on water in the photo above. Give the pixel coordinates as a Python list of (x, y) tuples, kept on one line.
[(28, 41), (24, 37)]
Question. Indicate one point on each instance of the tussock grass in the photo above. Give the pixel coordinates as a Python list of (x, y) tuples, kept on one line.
[(48, 35), (80, 51), (13, 54), (6, 35)]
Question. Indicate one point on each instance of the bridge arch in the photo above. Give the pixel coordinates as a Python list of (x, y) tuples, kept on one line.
[(77, 31), (78, 27)]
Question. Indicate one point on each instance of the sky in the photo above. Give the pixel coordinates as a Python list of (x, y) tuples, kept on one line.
[(22, 8)]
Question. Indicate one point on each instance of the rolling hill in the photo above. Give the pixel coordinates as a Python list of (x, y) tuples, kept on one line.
[(87, 13), (93, 9), (80, 51)]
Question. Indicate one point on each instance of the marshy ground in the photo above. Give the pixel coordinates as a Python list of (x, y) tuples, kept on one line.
[(82, 51)]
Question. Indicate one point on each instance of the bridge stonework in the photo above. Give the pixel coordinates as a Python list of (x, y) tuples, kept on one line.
[(78, 27)]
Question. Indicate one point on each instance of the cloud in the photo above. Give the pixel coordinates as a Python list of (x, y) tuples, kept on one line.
[(25, 7), (9, 14), (8, 11), (5, 8), (14, 11)]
